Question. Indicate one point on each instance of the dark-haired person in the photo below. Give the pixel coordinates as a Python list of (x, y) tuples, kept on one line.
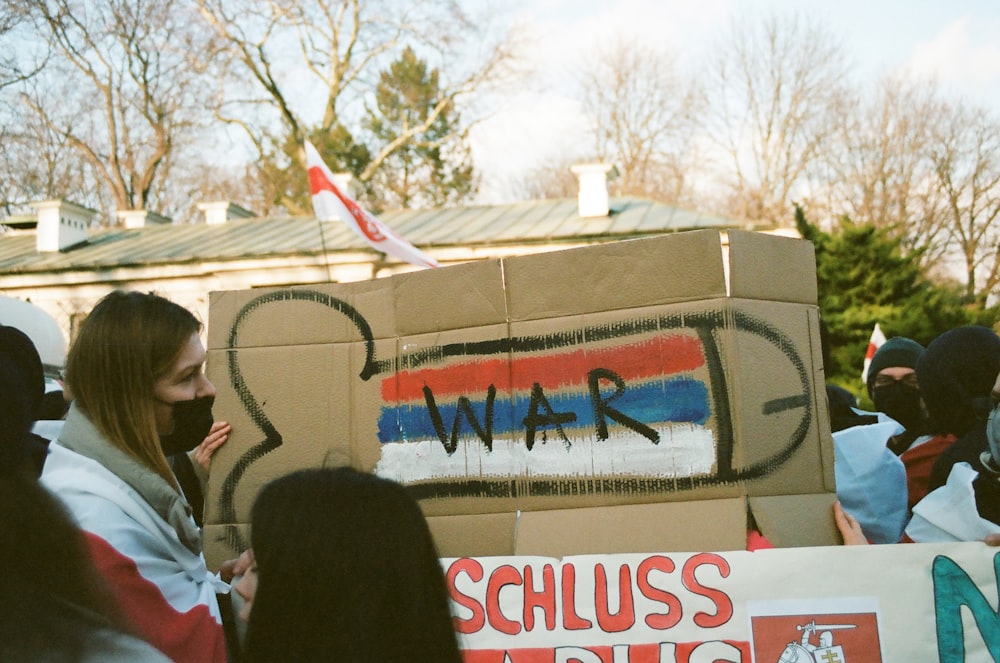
[(956, 373), (964, 499), (53, 604), (344, 570), (140, 394), (871, 479), (892, 386)]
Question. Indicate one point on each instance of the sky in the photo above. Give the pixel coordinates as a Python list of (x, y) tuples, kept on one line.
[(955, 41)]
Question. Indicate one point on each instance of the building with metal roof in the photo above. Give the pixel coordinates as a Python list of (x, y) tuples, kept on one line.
[(53, 260)]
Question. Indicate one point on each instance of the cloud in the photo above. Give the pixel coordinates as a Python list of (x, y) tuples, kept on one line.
[(532, 131), (568, 30), (964, 56)]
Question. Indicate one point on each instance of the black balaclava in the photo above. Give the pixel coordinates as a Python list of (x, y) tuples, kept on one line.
[(898, 400), (956, 374)]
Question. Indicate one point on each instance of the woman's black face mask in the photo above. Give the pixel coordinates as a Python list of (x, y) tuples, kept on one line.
[(901, 402), (192, 423)]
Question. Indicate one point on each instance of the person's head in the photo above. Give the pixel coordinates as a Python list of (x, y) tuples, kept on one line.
[(135, 370), (22, 387), (892, 381), (956, 374), (346, 570)]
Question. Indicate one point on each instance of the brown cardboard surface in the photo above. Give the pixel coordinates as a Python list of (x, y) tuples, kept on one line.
[(468, 295), (775, 401), (693, 526), (796, 520), (365, 402), (609, 376), (310, 412), (480, 535), (301, 315), (822, 405), (771, 268), (220, 541), (658, 270)]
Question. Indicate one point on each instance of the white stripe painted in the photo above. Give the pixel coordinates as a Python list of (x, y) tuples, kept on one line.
[(684, 450)]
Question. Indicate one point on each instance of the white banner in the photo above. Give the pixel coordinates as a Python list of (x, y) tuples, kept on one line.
[(862, 604)]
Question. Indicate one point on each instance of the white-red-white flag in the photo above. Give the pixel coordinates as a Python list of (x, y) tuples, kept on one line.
[(874, 343), (332, 204)]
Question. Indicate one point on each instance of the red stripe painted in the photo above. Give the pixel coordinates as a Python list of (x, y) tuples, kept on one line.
[(408, 385), (662, 355), (193, 636)]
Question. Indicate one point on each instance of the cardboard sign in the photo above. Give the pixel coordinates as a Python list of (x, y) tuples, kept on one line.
[(654, 380), (871, 604)]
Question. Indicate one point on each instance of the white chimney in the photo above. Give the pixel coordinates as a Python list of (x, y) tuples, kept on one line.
[(61, 225), (592, 200), (140, 218), (219, 211)]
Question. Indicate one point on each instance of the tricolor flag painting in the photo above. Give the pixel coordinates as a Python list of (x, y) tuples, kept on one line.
[(876, 341), (644, 412), (331, 204)]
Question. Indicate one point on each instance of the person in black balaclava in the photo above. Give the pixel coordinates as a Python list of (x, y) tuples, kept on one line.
[(892, 386), (956, 373), (980, 448), (964, 501), (871, 479)]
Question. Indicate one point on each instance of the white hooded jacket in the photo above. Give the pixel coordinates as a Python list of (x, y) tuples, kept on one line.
[(142, 538)]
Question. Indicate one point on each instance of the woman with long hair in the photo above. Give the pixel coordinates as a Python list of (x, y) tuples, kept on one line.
[(345, 570), (140, 394)]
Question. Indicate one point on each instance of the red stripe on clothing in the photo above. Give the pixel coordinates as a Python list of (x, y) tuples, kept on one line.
[(186, 637), (919, 461)]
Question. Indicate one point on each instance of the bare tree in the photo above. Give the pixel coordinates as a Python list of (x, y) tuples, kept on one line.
[(966, 157), (549, 181), (121, 88), (770, 93), (878, 168), (340, 45), (37, 163), (20, 56), (645, 115)]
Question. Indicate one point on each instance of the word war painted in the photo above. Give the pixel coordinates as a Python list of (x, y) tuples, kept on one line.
[(534, 385), (642, 405)]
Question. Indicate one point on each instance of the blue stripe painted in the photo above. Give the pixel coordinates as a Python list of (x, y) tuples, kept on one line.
[(679, 400)]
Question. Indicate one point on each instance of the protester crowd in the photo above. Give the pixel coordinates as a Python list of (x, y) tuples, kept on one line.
[(100, 527), (926, 466)]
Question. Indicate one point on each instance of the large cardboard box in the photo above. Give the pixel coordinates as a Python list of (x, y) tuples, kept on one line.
[(653, 394)]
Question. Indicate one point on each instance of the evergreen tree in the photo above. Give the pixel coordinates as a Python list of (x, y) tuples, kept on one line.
[(285, 176), (864, 278), (431, 168)]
